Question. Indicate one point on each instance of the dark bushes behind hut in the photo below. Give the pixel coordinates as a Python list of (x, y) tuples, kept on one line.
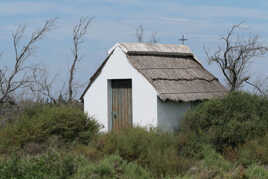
[(229, 122)]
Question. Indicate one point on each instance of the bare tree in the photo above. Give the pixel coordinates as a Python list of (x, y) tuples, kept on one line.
[(154, 37), (235, 57), (79, 32), (260, 86), (19, 77), (140, 33), (43, 85)]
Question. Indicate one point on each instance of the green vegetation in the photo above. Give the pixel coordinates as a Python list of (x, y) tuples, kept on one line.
[(153, 150), (63, 165), (231, 121), (112, 166), (225, 138), (36, 125), (48, 165)]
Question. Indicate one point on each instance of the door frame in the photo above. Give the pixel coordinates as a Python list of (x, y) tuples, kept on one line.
[(109, 102)]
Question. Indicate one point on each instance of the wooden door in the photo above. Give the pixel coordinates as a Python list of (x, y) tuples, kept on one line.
[(121, 104)]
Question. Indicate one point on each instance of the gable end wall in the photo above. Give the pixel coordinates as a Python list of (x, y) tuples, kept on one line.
[(144, 96)]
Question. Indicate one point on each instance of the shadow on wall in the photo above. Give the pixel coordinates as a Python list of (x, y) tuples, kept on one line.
[(171, 113)]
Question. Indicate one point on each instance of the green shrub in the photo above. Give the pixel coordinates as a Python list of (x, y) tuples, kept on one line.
[(39, 123), (89, 151), (214, 160), (49, 165), (258, 172), (111, 167), (64, 165), (229, 121), (190, 145), (156, 151), (254, 151), (213, 165)]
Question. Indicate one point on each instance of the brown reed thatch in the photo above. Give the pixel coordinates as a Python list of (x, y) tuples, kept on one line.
[(172, 70)]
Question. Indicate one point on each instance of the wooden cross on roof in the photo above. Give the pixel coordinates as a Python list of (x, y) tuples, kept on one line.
[(183, 39)]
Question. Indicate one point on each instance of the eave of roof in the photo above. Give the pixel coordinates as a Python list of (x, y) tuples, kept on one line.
[(95, 75)]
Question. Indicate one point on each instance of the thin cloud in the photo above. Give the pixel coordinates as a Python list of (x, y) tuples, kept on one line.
[(123, 1), (175, 20), (216, 11), (30, 8), (18, 8)]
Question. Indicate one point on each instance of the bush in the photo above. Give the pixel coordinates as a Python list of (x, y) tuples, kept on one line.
[(156, 151), (8, 113), (49, 165), (230, 121), (64, 165), (190, 145), (213, 165), (254, 151), (112, 167), (255, 171), (89, 151), (38, 124), (212, 159)]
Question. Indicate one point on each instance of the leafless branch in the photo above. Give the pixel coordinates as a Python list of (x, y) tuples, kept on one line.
[(257, 87), (140, 33), (19, 77), (154, 37), (79, 32), (235, 57), (42, 84)]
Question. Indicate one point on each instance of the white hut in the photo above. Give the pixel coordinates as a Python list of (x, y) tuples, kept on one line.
[(148, 85)]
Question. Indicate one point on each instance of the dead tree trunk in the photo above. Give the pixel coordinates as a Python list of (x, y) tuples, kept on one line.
[(19, 77), (234, 57), (79, 32)]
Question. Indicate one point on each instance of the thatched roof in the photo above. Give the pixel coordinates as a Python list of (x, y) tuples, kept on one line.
[(153, 49), (172, 70)]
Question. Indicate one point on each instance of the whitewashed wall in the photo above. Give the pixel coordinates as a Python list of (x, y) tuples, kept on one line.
[(144, 95), (170, 114)]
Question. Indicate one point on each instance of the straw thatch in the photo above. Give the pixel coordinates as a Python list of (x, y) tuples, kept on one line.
[(154, 49), (173, 71)]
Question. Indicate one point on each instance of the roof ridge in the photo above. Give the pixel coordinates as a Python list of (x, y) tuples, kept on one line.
[(166, 68), (185, 79), (217, 91), (153, 49)]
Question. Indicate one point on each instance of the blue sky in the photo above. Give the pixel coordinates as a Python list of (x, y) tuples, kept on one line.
[(202, 21)]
